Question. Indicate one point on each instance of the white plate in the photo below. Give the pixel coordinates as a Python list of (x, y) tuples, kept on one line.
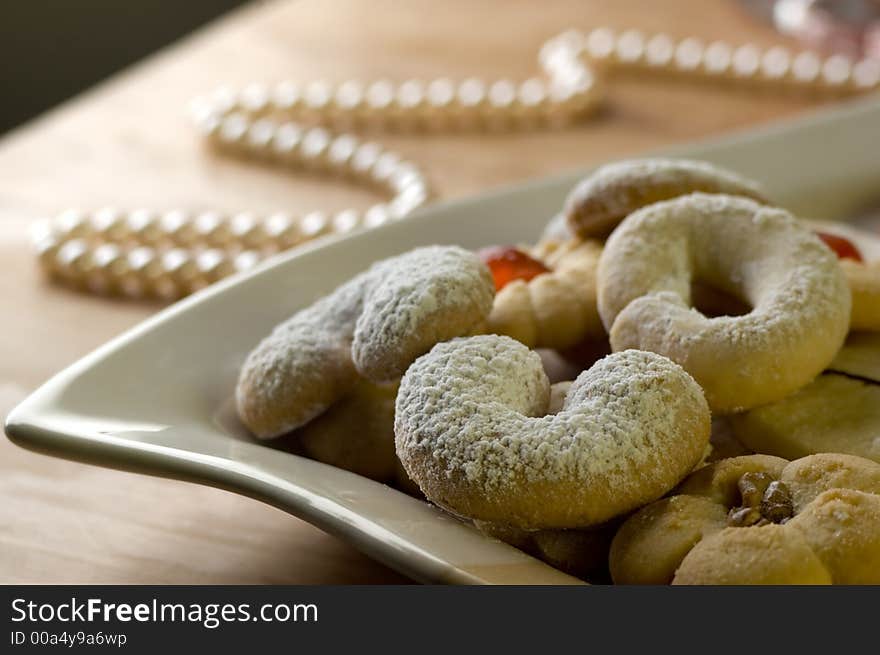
[(157, 399)]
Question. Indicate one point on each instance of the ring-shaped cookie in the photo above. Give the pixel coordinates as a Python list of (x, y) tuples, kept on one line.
[(471, 429), (763, 256), (373, 326)]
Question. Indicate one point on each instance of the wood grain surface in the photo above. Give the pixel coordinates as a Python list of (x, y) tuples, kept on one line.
[(128, 143)]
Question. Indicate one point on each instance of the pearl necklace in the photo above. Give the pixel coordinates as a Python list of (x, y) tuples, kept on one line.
[(144, 253)]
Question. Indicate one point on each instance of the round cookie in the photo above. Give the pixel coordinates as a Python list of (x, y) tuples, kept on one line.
[(357, 432), (792, 281), (472, 430), (556, 309), (758, 519), (581, 553), (833, 414), (373, 326), (602, 200)]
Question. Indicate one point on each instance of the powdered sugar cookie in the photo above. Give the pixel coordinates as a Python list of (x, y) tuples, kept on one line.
[(799, 298), (549, 302), (595, 206), (374, 326), (472, 430)]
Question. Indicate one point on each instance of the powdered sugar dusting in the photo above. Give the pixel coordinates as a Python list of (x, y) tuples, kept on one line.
[(474, 412), (596, 205), (763, 256), (429, 295), (392, 313)]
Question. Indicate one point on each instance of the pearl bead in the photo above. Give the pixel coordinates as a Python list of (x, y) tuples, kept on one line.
[(142, 261), (143, 226), (108, 223), (341, 150), (107, 257), (233, 128), (179, 266), (349, 96), (71, 256), (317, 96), (836, 70), (178, 226), (212, 264), (776, 63), (717, 58), (246, 260), (46, 248), (572, 40), (385, 167), (532, 92), (286, 96), (501, 98), (205, 116), (254, 98), (411, 94), (210, 227), (365, 158), (245, 229), (376, 215), (286, 141), (313, 224), (346, 221), (806, 67), (600, 43), (71, 223), (441, 93), (689, 54), (260, 134), (314, 146), (405, 175), (866, 73), (380, 95), (281, 229), (746, 60), (659, 51), (439, 97), (471, 92), (223, 99), (630, 47)]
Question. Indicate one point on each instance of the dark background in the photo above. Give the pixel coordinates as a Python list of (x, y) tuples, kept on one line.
[(52, 49)]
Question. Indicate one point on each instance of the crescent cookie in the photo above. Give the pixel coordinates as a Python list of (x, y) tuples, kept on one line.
[(373, 326), (472, 430), (833, 414), (799, 298), (759, 519), (556, 309), (595, 206)]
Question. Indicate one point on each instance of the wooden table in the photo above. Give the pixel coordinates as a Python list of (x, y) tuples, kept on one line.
[(127, 143)]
